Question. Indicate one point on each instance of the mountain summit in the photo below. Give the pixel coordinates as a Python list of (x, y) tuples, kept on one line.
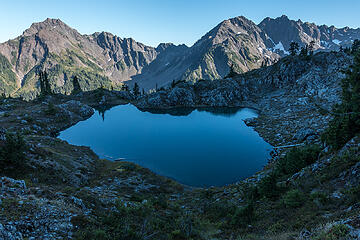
[(283, 30), (103, 59), (100, 59)]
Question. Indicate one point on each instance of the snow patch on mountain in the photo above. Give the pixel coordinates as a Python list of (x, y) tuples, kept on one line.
[(280, 47)]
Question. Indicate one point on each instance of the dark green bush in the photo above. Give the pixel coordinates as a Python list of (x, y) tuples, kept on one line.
[(134, 222), (320, 197), (252, 193), (98, 94), (12, 154), (294, 198), (297, 158), (339, 231), (267, 187), (219, 210), (353, 194), (243, 215), (51, 109)]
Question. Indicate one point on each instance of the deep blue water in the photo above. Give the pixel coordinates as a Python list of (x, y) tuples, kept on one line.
[(197, 148)]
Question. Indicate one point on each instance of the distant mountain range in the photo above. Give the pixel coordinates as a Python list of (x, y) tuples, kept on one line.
[(102, 59)]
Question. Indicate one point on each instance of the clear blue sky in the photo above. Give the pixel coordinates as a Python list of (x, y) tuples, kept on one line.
[(155, 21)]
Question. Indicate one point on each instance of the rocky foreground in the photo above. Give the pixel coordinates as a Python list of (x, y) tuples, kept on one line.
[(63, 191)]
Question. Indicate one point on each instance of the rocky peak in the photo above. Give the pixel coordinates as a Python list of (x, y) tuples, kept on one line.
[(228, 29), (107, 40), (163, 46), (48, 25)]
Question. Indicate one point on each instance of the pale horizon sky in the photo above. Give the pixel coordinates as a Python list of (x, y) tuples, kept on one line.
[(155, 21)]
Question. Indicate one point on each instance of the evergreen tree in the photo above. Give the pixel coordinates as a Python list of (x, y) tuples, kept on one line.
[(347, 50), (76, 85), (294, 48), (304, 51), (45, 88), (136, 90), (125, 87), (355, 46), (311, 47), (346, 122)]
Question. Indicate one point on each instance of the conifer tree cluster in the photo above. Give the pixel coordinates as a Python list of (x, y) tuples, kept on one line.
[(45, 88), (346, 122), (76, 85), (294, 48), (136, 89)]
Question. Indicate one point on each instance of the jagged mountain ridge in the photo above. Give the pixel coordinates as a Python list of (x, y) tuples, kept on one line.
[(102, 59), (283, 31), (237, 41), (97, 59)]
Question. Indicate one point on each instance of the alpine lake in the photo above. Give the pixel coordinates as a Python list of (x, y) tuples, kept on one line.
[(196, 147)]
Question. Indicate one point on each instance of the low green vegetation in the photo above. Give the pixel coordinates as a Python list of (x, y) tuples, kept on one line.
[(339, 231), (51, 109), (297, 158), (7, 76), (243, 216), (140, 219), (294, 198), (268, 188)]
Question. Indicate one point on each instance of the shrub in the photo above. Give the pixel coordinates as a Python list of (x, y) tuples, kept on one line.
[(12, 152), (320, 197), (277, 227), (219, 210), (243, 215), (252, 193), (267, 187), (294, 198), (98, 94), (339, 231), (353, 194), (100, 234), (51, 109), (297, 158)]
